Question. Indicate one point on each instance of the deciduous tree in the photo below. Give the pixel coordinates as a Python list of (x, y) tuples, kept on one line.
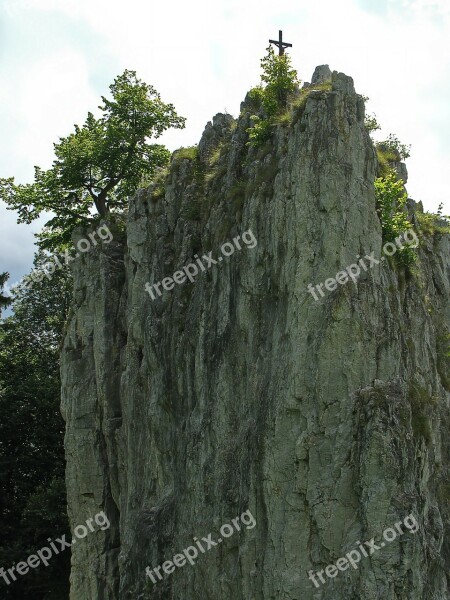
[(99, 165)]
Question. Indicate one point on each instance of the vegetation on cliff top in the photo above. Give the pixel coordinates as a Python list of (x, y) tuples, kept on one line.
[(391, 200), (279, 80), (390, 191)]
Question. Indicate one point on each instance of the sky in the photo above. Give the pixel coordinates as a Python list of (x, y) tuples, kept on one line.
[(57, 57)]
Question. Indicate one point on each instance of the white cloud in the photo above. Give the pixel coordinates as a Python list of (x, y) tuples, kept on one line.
[(53, 94), (17, 251), (440, 7)]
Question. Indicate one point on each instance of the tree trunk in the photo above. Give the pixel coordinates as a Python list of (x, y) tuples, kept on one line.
[(101, 206)]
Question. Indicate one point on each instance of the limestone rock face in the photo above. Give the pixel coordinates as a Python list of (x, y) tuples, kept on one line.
[(322, 74), (402, 171), (215, 133), (327, 419)]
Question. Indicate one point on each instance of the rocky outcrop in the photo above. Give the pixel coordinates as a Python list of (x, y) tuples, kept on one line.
[(327, 419), (322, 74)]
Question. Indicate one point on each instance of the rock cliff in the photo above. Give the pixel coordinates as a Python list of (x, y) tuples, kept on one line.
[(328, 420)]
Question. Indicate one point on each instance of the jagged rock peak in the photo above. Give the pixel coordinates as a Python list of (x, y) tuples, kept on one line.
[(322, 74), (237, 390), (214, 133)]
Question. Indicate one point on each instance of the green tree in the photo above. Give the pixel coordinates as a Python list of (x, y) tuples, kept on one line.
[(394, 148), (391, 206), (278, 81), (99, 165), (371, 123), (32, 489)]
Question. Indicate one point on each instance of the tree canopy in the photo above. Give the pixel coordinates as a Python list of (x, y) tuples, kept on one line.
[(99, 165)]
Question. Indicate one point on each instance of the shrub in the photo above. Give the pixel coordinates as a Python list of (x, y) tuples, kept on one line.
[(189, 153), (371, 123), (278, 81), (391, 207), (394, 146), (433, 223), (260, 132), (385, 160)]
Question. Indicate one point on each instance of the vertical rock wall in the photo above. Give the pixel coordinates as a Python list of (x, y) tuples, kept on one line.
[(327, 419)]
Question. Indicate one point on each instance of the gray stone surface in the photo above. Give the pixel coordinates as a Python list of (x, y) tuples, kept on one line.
[(322, 74), (402, 171), (215, 133), (328, 420)]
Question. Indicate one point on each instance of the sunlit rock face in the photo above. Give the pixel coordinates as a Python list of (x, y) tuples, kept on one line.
[(327, 419)]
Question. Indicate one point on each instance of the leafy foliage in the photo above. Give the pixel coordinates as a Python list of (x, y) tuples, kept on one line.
[(32, 489), (385, 160), (391, 200), (260, 132), (101, 164), (395, 147), (189, 153), (433, 223), (390, 151), (278, 81), (371, 123)]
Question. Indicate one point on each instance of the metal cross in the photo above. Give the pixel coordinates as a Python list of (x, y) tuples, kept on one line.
[(280, 44)]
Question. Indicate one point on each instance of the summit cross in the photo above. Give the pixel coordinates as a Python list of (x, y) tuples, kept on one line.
[(280, 44)]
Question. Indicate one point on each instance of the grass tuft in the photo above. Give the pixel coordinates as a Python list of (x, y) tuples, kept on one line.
[(189, 153)]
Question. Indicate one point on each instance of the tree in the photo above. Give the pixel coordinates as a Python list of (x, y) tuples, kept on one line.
[(391, 207), (371, 123), (278, 81), (32, 489), (395, 148), (101, 164), (4, 300)]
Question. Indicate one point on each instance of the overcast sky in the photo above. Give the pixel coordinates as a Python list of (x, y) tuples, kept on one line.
[(58, 56)]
